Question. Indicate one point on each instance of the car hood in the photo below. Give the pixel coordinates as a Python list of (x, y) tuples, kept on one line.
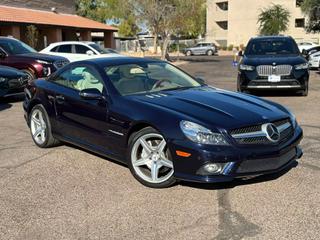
[(273, 60), (9, 72), (215, 107), (41, 56)]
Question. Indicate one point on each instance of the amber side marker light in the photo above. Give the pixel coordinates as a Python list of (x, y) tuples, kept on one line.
[(183, 154)]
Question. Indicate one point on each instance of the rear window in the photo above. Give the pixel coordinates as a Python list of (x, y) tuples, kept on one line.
[(65, 48), (272, 47)]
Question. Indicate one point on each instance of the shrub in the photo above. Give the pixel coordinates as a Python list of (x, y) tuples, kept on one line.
[(174, 47), (230, 47)]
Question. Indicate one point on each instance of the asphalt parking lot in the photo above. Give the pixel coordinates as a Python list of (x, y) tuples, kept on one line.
[(68, 193)]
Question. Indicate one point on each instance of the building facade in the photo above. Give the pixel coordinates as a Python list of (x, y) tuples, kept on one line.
[(235, 21), (55, 21)]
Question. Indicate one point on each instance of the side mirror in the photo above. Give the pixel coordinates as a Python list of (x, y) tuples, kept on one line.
[(201, 80), (91, 94), (89, 53)]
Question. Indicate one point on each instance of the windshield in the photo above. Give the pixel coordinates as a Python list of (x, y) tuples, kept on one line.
[(100, 49), (152, 77), (272, 47), (13, 47)]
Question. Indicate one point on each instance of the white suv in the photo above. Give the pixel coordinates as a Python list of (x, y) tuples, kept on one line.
[(76, 51)]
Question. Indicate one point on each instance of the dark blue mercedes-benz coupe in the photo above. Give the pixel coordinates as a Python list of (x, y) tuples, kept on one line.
[(160, 121)]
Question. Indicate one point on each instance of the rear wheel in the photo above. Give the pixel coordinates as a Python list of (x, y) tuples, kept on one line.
[(150, 160), (188, 53), (40, 128), (209, 52)]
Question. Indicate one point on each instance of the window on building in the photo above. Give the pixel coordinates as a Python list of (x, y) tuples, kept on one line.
[(223, 5), (223, 24), (299, 2), (299, 22)]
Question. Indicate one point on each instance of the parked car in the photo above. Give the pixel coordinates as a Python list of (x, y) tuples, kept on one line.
[(306, 45), (163, 123), (201, 49), (307, 53), (76, 51), (273, 62), (314, 60), (12, 81), (16, 54)]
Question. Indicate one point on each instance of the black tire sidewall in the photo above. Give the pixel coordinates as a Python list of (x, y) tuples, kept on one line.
[(133, 138)]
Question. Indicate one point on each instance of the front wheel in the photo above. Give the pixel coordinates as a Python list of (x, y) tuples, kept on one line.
[(40, 128), (306, 89), (188, 53), (150, 161)]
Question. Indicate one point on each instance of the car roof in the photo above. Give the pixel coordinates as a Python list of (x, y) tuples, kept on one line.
[(271, 37), (71, 42), (117, 61)]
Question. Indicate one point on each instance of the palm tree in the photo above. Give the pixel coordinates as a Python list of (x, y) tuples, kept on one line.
[(273, 20)]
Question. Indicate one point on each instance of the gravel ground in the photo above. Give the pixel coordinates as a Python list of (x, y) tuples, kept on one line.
[(68, 193)]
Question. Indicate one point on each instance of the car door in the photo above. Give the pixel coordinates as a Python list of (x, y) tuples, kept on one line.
[(83, 51), (81, 120), (197, 49), (66, 50)]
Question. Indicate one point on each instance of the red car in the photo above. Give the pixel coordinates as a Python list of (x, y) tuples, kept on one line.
[(14, 53)]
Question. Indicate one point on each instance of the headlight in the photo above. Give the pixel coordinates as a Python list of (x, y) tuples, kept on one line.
[(292, 117), (42, 62), (246, 67), (302, 66), (200, 134), (3, 79)]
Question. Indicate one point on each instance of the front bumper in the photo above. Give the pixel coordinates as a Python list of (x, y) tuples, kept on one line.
[(250, 80), (247, 161)]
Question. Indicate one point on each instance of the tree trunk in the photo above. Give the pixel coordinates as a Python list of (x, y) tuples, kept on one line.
[(155, 43), (165, 43)]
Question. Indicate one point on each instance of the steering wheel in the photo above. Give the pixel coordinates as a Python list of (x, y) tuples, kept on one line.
[(159, 82)]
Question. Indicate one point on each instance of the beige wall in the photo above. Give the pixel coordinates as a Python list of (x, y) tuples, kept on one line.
[(242, 18)]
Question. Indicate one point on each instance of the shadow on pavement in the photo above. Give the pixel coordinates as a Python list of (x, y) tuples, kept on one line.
[(4, 106), (239, 182), (195, 58)]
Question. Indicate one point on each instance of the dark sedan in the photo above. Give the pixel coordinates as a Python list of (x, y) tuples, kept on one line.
[(161, 122), (275, 63), (12, 81)]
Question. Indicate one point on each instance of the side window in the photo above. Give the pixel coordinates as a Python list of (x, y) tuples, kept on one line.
[(54, 49), (80, 78), (80, 49), (65, 48)]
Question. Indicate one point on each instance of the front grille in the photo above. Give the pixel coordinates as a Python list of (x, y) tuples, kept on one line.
[(279, 70), (266, 164), (284, 135), (60, 63)]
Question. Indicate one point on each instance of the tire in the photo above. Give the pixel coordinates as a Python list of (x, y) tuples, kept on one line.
[(30, 74), (210, 52), (149, 159), (305, 92), (188, 53), (40, 128)]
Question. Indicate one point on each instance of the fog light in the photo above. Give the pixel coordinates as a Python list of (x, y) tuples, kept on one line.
[(213, 167), (216, 169)]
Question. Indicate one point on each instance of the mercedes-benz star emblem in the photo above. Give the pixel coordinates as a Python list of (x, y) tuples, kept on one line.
[(271, 131)]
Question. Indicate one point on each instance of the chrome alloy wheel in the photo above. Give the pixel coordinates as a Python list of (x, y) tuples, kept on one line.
[(150, 158), (38, 127)]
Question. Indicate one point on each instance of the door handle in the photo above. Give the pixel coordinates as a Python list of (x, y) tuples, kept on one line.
[(60, 99)]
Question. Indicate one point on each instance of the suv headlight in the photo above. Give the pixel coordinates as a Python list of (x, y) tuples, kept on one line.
[(302, 66), (200, 134), (246, 67), (3, 79), (42, 62)]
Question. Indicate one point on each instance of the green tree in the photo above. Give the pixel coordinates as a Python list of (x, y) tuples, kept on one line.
[(273, 20), (117, 11), (311, 8)]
